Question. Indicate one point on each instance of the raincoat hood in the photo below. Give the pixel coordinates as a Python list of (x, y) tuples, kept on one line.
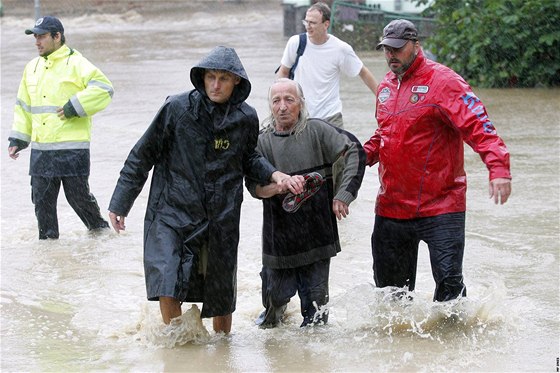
[(222, 58)]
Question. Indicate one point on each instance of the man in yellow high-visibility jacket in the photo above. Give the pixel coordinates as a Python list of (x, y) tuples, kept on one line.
[(59, 92)]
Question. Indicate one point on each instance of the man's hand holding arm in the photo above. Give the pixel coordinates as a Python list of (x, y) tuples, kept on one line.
[(281, 183)]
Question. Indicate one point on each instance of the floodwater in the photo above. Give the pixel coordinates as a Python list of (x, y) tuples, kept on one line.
[(78, 303)]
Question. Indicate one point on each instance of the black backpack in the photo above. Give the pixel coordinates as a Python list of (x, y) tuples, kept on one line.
[(300, 50)]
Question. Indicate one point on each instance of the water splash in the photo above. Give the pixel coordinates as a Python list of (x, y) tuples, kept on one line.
[(395, 312), (187, 328), (150, 331)]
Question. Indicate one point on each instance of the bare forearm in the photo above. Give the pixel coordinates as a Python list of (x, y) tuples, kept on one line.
[(283, 72), (368, 79), (268, 191)]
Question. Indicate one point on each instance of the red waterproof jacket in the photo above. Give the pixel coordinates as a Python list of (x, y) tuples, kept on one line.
[(422, 123)]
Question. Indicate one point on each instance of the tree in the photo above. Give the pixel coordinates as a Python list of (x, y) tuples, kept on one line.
[(498, 43)]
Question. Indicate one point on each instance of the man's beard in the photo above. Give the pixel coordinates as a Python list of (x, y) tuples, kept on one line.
[(404, 66)]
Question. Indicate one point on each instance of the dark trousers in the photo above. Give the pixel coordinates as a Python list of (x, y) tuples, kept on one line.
[(310, 281), (395, 243), (44, 195)]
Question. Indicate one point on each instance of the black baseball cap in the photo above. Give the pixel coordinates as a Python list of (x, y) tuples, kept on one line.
[(45, 25), (397, 33)]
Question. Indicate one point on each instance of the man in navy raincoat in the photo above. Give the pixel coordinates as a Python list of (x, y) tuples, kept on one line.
[(200, 145)]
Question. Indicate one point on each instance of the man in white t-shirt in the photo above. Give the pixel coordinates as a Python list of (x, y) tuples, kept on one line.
[(319, 68)]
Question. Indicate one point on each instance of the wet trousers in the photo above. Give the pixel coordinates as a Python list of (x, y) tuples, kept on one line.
[(44, 195), (310, 281), (395, 243)]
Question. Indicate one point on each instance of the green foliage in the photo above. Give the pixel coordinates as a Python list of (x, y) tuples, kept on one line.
[(498, 43)]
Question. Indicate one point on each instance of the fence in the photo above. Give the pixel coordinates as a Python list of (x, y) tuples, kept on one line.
[(362, 26), (357, 23)]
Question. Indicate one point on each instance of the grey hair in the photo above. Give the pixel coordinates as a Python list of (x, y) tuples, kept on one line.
[(269, 123)]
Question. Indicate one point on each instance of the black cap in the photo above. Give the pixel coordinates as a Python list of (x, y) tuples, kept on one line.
[(45, 25), (397, 33)]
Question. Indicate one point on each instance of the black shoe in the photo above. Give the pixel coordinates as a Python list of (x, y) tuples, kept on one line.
[(43, 237), (104, 224), (270, 318), (319, 318), (100, 231), (48, 234)]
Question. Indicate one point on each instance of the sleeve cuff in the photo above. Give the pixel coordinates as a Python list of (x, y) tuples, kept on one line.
[(345, 197), (69, 111)]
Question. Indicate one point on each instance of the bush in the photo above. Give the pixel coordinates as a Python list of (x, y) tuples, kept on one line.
[(498, 43)]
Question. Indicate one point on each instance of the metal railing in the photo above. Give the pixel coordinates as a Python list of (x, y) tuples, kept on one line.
[(362, 25)]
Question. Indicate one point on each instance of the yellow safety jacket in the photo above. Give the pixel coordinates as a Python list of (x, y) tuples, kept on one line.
[(58, 147)]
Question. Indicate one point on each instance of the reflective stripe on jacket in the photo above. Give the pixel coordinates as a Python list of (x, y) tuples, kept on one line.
[(48, 83), (422, 123)]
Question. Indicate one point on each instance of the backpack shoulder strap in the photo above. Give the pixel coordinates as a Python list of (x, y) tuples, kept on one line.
[(302, 44), (299, 52)]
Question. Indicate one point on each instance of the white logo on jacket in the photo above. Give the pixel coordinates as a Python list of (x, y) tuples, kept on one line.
[(384, 94)]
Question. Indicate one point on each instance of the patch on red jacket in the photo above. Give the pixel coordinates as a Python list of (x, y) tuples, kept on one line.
[(384, 94), (420, 89)]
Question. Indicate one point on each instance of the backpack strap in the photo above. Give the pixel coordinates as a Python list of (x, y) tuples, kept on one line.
[(302, 44), (299, 53)]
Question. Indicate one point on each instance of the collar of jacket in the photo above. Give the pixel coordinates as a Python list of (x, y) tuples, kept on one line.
[(63, 52)]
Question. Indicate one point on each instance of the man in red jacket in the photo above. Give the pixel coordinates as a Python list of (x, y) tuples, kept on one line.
[(425, 111)]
